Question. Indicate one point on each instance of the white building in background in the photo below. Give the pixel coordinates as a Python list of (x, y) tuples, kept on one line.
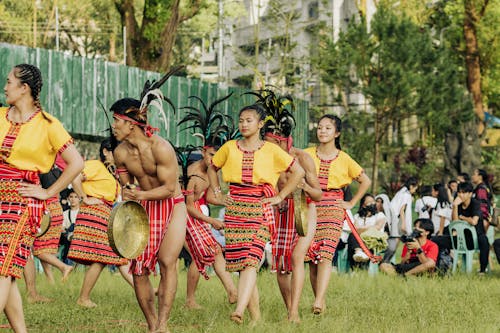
[(237, 65)]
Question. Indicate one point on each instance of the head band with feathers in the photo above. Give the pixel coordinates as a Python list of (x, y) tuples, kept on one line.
[(151, 96), (279, 121), (210, 125)]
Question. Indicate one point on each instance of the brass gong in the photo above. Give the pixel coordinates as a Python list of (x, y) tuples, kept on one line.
[(44, 225), (300, 212), (128, 229)]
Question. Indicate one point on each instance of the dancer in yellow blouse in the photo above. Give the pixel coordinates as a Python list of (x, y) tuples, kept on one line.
[(90, 246), (335, 170), (252, 167), (30, 139)]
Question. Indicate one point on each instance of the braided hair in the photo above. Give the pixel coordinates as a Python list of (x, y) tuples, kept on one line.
[(31, 75)]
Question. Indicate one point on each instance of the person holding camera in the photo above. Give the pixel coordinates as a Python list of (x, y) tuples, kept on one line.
[(69, 218), (419, 252)]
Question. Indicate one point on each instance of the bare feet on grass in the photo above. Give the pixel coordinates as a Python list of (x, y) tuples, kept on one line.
[(192, 305), (86, 303), (294, 318), (66, 272), (237, 318), (33, 299), (318, 308)]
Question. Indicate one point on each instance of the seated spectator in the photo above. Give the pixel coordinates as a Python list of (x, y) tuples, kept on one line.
[(419, 252), (484, 194), (468, 209), (426, 203), (367, 217)]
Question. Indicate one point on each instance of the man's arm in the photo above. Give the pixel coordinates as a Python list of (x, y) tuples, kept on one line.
[(296, 174), (193, 211), (120, 155), (311, 184), (215, 194)]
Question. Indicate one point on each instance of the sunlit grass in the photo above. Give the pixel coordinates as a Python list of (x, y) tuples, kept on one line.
[(356, 303)]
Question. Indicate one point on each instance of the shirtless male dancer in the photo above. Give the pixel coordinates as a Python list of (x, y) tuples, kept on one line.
[(150, 161)]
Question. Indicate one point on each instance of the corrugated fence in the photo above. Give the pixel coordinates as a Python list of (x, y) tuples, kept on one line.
[(75, 86)]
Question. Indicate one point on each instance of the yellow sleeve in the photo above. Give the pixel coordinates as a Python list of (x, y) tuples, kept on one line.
[(220, 157), (354, 170), (283, 160), (59, 138)]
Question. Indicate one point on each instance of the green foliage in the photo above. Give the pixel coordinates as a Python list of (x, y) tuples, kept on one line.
[(85, 28), (404, 76)]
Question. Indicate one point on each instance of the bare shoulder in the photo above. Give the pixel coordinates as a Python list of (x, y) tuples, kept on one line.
[(305, 160), (120, 152), (162, 149)]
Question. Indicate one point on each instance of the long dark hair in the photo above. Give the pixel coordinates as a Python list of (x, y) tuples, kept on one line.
[(31, 75), (486, 182), (442, 197), (338, 127)]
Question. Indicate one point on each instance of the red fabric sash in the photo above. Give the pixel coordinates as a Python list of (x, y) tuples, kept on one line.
[(35, 207), (361, 243)]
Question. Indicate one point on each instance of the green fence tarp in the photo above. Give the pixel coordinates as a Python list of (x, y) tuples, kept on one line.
[(74, 87)]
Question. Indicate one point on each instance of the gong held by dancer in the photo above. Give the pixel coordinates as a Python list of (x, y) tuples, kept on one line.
[(150, 160), (252, 167), (295, 219), (208, 123)]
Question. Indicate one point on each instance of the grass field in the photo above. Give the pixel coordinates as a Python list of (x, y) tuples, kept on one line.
[(356, 303)]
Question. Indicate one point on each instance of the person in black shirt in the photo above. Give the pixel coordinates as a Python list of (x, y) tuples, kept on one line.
[(468, 209)]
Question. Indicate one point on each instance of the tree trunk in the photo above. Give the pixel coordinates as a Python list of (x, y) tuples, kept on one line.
[(168, 38), (461, 150), (376, 154), (153, 52), (472, 62), (127, 14), (112, 47)]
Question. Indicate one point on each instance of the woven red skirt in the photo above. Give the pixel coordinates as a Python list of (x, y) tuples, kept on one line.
[(90, 241), (49, 242), (19, 219), (201, 243), (330, 219)]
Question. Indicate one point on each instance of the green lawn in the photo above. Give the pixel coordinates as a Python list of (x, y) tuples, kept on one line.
[(356, 303)]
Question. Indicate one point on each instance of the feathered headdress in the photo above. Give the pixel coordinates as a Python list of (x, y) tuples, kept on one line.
[(112, 138), (184, 160), (279, 122), (151, 96), (209, 124)]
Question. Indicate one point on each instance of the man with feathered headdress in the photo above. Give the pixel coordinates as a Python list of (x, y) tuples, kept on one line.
[(212, 127), (289, 249), (149, 160)]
